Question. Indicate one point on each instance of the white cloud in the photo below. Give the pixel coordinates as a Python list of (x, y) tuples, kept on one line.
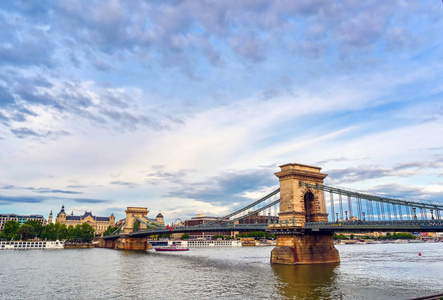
[(128, 101)]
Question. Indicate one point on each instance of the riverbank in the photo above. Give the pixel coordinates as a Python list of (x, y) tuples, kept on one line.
[(80, 245)]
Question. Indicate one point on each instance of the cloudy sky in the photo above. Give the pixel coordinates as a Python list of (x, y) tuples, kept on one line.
[(189, 107)]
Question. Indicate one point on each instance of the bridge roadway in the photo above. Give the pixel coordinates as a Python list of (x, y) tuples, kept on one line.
[(188, 229), (366, 226), (351, 226)]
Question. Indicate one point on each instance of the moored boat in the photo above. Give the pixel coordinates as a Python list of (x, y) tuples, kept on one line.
[(30, 245), (171, 248)]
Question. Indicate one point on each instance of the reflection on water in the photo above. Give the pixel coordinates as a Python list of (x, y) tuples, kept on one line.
[(306, 281)]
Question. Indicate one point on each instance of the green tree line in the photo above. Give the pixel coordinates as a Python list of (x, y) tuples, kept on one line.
[(256, 235), (388, 236), (52, 232)]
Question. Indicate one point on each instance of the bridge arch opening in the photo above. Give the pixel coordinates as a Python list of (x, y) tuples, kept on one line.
[(309, 207)]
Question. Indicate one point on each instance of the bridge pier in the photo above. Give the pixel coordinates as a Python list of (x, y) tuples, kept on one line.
[(299, 205), (132, 243), (305, 249), (106, 243)]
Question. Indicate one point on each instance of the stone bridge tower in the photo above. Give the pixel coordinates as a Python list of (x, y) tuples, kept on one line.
[(127, 242), (139, 212), (298, 205)]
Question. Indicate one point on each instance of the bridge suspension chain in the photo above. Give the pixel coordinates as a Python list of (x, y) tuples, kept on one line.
[(372, 197), (385, 208), (331, 197), (242, 209), (255, 211)]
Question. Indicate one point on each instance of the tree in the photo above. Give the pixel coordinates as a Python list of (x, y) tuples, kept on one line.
[(71, 232), (49, 232), (255, 234), (399, 235), (26, 232), (87, 232), (352, 236), (62, 232), (136, 226), (339, 237), (185, 236), (10, 230), (110, 230), (55, 231), (37, 225)]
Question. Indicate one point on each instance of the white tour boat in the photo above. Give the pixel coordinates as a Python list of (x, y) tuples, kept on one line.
[(31, 245)]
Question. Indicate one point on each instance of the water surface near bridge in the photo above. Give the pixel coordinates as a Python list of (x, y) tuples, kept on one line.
[(384, 271)]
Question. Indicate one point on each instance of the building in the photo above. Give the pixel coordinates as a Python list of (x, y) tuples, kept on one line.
[(50, 218), (259, 219), (120, 222), (20, 219), (203, 219), (100, 224), (159, 219)]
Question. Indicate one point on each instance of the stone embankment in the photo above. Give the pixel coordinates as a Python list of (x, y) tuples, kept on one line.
[(79, 245)]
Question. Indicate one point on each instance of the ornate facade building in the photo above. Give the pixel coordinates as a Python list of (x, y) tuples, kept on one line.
[(100, 224), (160, 219)]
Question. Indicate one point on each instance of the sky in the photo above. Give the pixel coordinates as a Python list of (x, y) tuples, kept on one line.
[(190, 107)]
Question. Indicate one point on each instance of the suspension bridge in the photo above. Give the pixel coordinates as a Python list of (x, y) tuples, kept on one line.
[(303, 211)]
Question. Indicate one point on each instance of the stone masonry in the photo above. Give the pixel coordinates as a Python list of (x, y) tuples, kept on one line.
[(298, 205)]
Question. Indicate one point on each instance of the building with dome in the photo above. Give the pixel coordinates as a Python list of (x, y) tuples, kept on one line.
[(100, 224), (159, 219)]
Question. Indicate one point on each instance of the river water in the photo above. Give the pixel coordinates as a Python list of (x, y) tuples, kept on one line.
[(379, 271)]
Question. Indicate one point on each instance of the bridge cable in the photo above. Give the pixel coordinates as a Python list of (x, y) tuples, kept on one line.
[(382, 206), (372, 197), (242, 209), (350, 206), (153, 223), (147, 224), (341, 206), (331, 198), (378, 211), (118, 229), (255, 212)]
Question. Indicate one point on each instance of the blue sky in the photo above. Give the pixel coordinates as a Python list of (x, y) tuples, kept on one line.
[(189, 107)]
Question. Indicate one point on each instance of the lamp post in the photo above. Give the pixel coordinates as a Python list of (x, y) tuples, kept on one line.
[(346, 213), (364, 216), (415, 213)]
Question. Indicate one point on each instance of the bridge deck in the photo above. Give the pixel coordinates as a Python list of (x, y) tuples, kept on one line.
[(354, 226)]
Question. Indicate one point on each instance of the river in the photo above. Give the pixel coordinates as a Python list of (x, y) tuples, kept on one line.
[(379, 271)]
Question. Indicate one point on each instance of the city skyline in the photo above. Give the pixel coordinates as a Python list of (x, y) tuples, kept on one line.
[(189, 107)]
